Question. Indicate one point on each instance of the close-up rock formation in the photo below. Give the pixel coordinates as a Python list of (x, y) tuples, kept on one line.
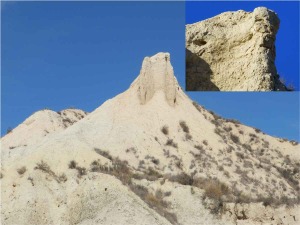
[(233, 51), (151, 156)]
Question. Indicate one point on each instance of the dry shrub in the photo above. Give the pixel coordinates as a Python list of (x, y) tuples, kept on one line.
[(181, 178), (188, 136), (72, 164), (235, 138), (105, 154), (43, 166), (214, 189), (152, 174), (155, 201), (81, 171), (184, 127), (197, 106), (257, 130), (199, 147), (205, 142), (240, 155), (165, 130), (62, 177), (170, 142), (228, 129), (155, 161), (233, 121), (21, 170)]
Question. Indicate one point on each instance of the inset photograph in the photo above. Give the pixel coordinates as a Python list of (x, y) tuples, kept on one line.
[(242, 46)]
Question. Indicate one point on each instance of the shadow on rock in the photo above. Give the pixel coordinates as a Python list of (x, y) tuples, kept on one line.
[(198, 74)]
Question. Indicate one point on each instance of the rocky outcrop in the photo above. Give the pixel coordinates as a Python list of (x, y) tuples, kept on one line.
[(234, 51), (157, 75)]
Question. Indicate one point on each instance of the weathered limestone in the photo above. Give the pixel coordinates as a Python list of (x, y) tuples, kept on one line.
[(234, 51)]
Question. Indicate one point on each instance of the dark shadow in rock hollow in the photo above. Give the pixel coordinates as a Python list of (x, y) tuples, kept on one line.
[(198, 74)]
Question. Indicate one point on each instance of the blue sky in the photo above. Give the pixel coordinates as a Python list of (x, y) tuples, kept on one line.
[(63, 54), (287, 42)]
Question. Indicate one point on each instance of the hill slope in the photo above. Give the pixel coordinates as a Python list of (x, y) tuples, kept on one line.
[(186, 163)]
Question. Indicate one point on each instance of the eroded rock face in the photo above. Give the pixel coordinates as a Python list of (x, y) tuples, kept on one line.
[(234, 51), (157, 74)]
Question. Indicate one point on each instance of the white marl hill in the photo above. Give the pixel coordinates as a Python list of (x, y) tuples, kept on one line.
[(185, 165), (233, 51), (39, 125)]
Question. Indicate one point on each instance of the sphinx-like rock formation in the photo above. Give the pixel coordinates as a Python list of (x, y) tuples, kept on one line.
[(157, 75), (234, 51)]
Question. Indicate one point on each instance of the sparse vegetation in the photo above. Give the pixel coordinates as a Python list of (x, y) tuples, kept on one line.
[(205, 142), (170, 142), (188, 136), (181, 178), (155, 161), (197, 106), (240, 155), (72, 164), (165, 130), (62, 177), (105, 154), (152, 174), (199, 147), (228, 128), (235, 138), (21, 170), (43, 166), (184, 127), (232, 121), (81, 171), (155, 201)]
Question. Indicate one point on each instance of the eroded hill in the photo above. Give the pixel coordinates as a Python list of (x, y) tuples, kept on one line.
[(152, 156)]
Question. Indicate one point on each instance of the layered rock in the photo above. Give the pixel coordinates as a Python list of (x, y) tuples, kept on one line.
[(234, 51)]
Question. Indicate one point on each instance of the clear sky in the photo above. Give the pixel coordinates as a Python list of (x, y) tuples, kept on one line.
[(61, 54), (287, 42)]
